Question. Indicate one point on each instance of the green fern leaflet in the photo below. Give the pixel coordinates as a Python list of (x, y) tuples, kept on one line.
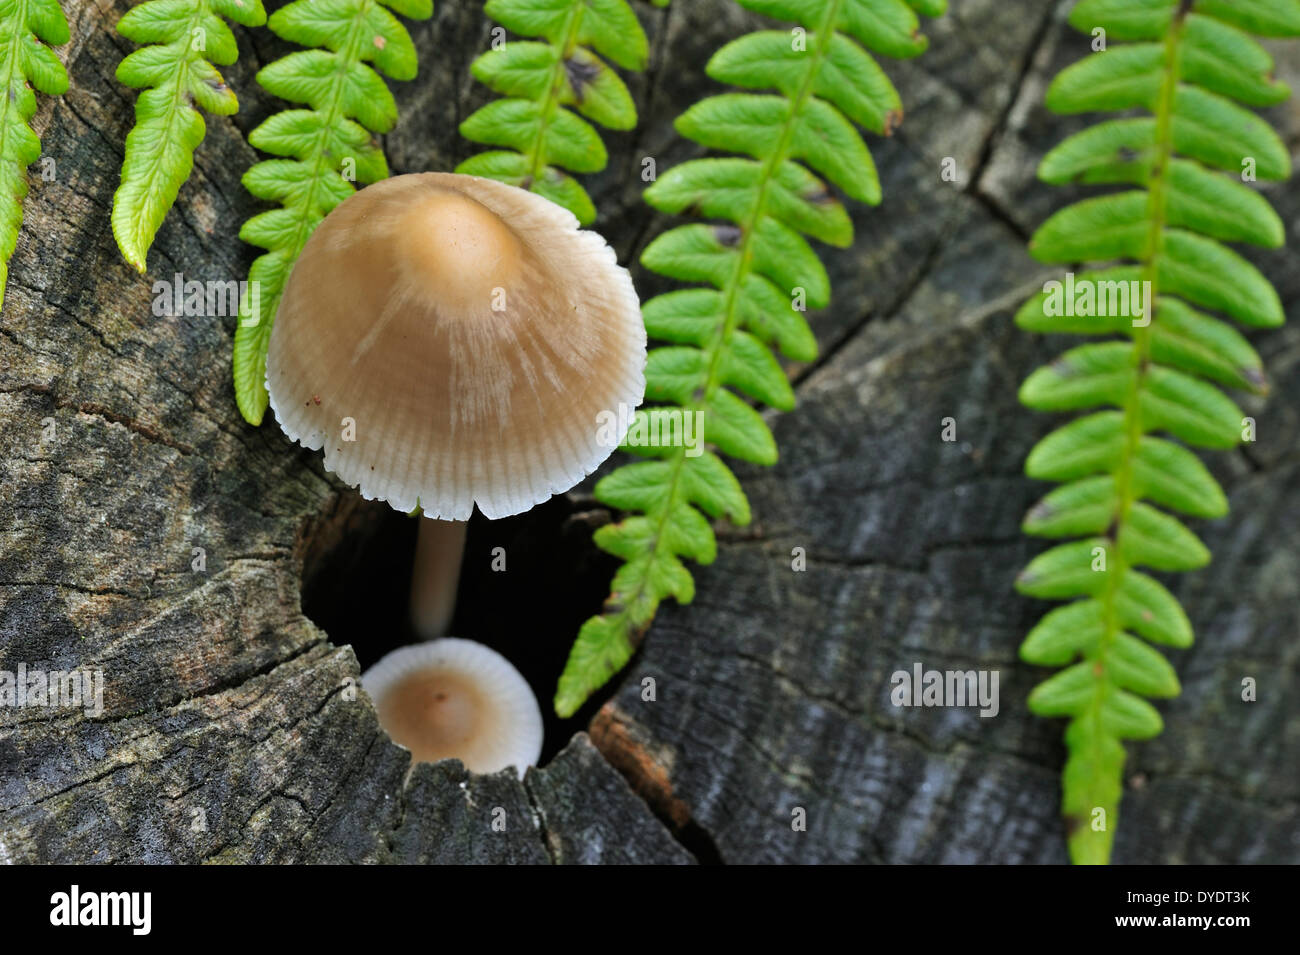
[(177, 74), (1189, 65), (759, 273), (539, 80), (26, 26), (326, 148)]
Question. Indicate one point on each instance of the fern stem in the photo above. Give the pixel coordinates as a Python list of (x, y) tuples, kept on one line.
[(348, 53), (536, 154), (773, 162), (1195, 69), (718, 346), (554, 87), (1088, 849), (307, 208)]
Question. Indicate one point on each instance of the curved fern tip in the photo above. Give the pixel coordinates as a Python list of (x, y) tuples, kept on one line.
[(253, 413), (175, 69)]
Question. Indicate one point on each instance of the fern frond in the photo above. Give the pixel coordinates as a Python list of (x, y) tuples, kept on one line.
[(26, 26), (760, 274), (542, 137), (176, 72), (326, 148), (1189, 65)]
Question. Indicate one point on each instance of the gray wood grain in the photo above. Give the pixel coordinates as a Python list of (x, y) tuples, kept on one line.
[(230, 731)]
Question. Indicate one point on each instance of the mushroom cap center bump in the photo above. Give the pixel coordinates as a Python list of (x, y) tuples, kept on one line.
[(463, 251), (437, 715)]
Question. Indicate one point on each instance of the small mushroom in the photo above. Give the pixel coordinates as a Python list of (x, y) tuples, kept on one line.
[(456, 699), (452, 341)]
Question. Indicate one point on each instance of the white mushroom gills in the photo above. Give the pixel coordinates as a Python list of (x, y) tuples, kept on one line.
[(457, 699), (451, 341)]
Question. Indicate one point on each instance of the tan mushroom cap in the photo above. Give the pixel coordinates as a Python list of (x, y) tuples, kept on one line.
[(471, 332), (457, 699)]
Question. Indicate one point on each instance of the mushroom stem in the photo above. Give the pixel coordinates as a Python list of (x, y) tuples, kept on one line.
[(435, 575)]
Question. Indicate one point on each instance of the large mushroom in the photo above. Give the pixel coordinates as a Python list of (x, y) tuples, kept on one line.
[(451, 341)]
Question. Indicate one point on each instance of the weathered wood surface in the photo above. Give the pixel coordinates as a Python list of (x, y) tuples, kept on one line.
[(229, 732)]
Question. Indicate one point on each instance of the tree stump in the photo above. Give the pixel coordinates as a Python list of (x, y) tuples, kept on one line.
[(231, 730)]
